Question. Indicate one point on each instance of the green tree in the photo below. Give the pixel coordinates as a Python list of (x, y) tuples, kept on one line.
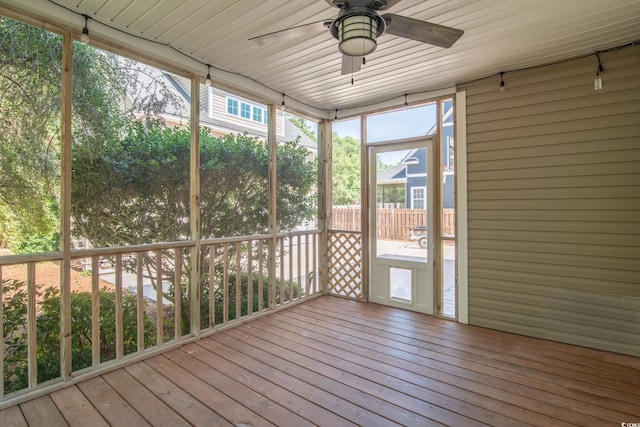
[(30, 120), (346, 170), (302, 124), (136, 190)]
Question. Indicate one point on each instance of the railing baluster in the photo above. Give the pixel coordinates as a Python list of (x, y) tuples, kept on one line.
[(249, 277), (238, 282), (282, 279), (212, 285), (159, 305), (177, 292), (291, 262), (225, 283), (32, 357), (119, 311), (299, 254), (260, 275), (315, 264), (95, 311), (251, 263), (1, 335), (140, 301)]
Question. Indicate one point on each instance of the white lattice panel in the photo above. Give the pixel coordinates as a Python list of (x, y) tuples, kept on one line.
[(345, 264)]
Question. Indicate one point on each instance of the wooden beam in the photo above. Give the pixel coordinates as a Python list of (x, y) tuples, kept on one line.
[(272, 184), (65, 207), (324, 201), (194, 208), (364, 209), (437, 215)]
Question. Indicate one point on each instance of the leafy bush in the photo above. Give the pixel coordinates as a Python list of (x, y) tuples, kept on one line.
[(48, 331)]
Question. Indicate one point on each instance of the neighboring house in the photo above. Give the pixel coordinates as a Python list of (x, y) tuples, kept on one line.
[(411, 172), (224, 113)]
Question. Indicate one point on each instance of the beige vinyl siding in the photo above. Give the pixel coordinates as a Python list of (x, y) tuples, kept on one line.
[(554, 202)]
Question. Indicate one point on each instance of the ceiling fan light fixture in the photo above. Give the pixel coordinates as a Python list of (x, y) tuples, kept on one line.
[(357, 34)]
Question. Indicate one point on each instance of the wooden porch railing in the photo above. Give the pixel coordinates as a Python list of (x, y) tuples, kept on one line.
[(149, 300)]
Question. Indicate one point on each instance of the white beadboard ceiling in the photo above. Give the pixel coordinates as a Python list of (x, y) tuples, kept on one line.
[(500, 35)]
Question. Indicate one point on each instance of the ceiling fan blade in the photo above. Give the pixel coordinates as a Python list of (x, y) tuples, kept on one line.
[(421, 31), (291, 33), (351, 64)]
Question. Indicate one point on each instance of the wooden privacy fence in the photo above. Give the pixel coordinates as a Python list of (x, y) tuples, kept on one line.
[(392, 224)]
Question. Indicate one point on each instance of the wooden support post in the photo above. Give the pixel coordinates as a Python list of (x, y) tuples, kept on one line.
[(272, 219), (324, 202), (194, 208), (364, 209), (437, 215), (65, 208)]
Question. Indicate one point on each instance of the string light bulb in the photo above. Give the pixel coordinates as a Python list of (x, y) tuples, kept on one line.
[(336, 115), (502, 88), (207, 81), (282, 106), (597, 83), (406, 103), (84, 37)]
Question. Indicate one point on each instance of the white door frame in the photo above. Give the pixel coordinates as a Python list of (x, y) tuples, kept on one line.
[(422, 271)]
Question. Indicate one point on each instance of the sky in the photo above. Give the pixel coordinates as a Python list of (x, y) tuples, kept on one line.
[(400, 124)]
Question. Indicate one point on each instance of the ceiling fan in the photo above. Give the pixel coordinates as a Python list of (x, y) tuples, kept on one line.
[(359, 25)]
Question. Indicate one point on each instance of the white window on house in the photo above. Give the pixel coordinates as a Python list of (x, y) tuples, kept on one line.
[(232, 106), (266, 117), (257, 114), (418, 197), (245, 110)]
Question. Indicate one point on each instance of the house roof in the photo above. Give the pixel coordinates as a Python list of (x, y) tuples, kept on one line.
[(394, 175), (499, 36)]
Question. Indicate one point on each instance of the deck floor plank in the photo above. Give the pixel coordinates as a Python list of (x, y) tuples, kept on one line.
[(76, 409), (366, 343), (114, 409), (590, 399), (382, 412), (338, 404), (227, 407), (189, 407), (267, 408), (563, 357), (335, 362), (505, 351), (42, 412), (301, 405), (154, 410), (12, 417), (425, 380)]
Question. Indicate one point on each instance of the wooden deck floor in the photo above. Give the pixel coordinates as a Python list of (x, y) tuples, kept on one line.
[(335, 362)]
